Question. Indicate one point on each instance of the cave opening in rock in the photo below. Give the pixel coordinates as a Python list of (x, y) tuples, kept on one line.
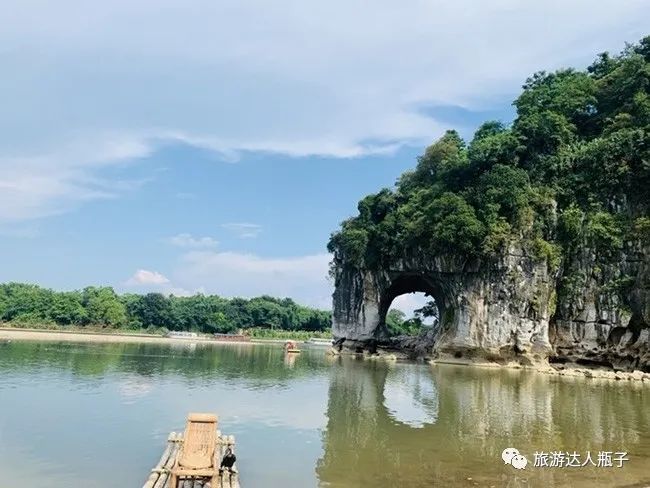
[(409, 313), (409, 306)]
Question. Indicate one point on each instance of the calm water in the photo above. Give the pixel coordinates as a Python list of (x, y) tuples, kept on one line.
[(97, 415)]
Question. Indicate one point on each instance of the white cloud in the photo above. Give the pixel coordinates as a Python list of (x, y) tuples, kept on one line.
[(40, 185), (188, 240), (180, 292), (338, 78), (144, 277), (409, 302), (244, 230), (230, 274), (152, 281)]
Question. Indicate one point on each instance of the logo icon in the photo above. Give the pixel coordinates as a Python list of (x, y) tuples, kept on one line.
[(519, 462), (511, 456)]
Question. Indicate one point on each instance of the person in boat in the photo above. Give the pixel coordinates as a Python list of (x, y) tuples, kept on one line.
[(228, 460), (290, 345)]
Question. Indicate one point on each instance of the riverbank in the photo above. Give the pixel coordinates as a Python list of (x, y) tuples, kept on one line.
[(566, 369), (20, 334), (543, 367), (9, 333)]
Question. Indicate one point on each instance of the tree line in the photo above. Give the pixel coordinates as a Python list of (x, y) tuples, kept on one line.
[(103, 307)]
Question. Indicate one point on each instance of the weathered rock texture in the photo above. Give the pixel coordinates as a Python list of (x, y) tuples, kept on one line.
[(603, 315), (511, 307)]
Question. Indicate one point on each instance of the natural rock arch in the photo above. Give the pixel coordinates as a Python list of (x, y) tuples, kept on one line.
[(403, 283), (500, 309), (492, 308)]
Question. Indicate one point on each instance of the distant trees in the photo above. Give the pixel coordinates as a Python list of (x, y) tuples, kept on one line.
[(150, 310), (68, 309), (429, 310), (394, 320), (398, 324), (101, 306)]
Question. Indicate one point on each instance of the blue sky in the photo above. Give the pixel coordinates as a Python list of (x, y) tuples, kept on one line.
[(213, 146)]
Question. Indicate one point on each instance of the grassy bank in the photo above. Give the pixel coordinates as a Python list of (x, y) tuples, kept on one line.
[(299, 335)]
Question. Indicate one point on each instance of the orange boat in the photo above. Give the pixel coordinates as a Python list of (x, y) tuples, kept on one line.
[(231, 337), (290, 347)]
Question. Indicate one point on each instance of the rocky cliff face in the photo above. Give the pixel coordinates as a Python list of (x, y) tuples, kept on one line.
[(551, 212), (510, 308), (603, 312)]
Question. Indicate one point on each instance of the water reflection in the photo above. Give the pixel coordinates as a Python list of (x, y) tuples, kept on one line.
[(410, 395), (307, 419), (114, 404), (290, 360), (415, 426), (134, 387)]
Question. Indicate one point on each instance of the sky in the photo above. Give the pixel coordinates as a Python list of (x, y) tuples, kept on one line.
[(213, 146)]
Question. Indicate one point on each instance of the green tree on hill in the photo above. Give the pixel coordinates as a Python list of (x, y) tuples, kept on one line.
[(575, 159)]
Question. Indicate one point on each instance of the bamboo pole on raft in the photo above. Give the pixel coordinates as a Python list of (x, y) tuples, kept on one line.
[(155, 472)]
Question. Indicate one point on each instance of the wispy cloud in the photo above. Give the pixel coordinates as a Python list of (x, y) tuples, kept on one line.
[(189, 241), (335, 78), (233, 274), (51, 183), (304, 278), (244, 230), (410, 302), (146, 277), (152, 281)]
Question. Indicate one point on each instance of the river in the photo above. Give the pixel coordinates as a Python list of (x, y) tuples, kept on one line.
[(98, 415)]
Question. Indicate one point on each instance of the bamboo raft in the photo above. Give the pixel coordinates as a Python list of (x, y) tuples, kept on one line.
[(160, 474)]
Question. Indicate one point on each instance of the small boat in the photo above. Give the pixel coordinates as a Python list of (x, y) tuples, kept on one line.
[(180, 334), (231, 337), (201, 457), (290, 347), (316, 341)]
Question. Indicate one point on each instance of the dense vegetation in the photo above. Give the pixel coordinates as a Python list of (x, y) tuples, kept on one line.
[(101, 306), (573, 169), (397, 323)]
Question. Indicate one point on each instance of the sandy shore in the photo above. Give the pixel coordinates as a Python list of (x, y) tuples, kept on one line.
[(8, 333)]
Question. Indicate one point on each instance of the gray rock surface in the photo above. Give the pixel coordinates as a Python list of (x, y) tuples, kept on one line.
[(591, 311)]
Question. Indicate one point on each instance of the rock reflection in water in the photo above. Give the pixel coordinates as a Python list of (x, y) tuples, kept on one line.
[(417, 425), (410, 395), (336, 421)]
